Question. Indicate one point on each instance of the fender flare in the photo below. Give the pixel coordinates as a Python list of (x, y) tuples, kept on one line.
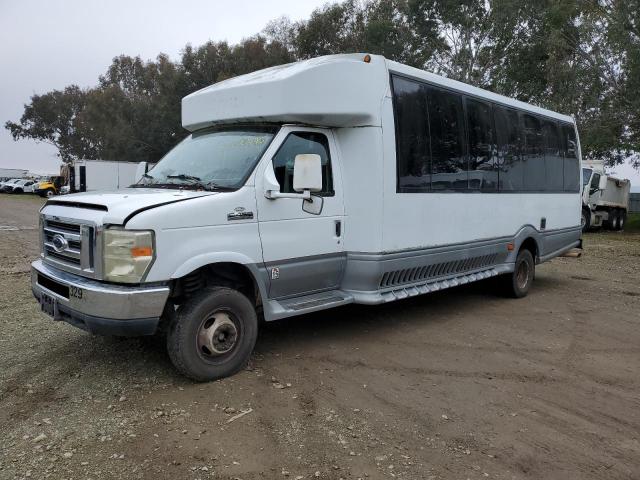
[(526, 231), (194, 263)]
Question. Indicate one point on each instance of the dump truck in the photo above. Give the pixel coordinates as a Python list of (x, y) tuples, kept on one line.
[(605, 199)]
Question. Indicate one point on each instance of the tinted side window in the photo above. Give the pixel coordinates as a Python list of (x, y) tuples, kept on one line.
[(412, 135), (553, 157), (483, 172), (300, 143), (448, 156), (571, 163), (509, 141), (534, 165)]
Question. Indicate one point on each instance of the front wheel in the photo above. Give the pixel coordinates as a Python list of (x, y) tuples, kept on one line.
[(518, 283), (212, 336), (50, 192)]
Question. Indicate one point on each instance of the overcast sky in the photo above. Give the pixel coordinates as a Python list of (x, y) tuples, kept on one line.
[(47, 45)]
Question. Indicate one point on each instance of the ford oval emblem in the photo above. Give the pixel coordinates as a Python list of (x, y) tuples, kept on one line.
[(60, 243)]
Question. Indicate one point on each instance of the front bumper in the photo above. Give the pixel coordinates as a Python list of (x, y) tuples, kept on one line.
[(98, 307)]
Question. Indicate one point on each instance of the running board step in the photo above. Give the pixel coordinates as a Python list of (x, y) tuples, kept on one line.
[(422, 288), (308, 303)]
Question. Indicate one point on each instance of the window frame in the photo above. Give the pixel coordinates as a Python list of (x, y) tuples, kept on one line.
[(332, 191), (464, 96)]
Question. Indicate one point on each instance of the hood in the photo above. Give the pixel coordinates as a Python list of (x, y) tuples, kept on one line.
[(120, 205)]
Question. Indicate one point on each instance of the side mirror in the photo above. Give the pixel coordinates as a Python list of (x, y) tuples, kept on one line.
[(313, 205), (307, 173), (307, 178), (603, 183)]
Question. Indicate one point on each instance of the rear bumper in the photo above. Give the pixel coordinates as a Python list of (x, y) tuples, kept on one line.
[(99, 307)]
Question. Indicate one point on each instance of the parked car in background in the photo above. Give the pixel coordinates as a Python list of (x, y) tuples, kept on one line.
[(6, 186), (22, 186)]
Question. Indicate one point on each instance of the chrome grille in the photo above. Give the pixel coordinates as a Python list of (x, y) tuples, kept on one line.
[(68, 245)]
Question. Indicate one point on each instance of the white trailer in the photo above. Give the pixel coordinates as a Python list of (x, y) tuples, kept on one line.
[(93, 175), (336, 180), (605, 199)]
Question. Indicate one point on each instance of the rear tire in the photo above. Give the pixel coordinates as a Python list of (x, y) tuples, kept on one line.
[(585, 219), (212, 336), (518, 283), (49, 192), (615, 221), (622, 219)]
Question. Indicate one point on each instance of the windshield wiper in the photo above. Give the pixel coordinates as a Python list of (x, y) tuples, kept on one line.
[(182, 176)]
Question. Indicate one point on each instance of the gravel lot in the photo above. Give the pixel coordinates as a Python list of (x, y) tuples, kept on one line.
[(460, 384)]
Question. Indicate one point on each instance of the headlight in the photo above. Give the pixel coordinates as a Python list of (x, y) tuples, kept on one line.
[(127, 254)]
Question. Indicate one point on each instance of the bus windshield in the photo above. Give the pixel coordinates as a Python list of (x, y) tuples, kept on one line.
[(211, 159)]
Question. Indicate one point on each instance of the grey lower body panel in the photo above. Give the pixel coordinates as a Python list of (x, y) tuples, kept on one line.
[(374, 278)]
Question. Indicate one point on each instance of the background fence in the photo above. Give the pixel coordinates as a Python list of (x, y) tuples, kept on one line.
[(634, 202)]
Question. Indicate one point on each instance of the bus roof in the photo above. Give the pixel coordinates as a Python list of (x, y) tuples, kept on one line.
[(331, 91)]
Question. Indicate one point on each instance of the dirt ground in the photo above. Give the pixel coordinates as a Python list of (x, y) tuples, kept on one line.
[(460, 384)]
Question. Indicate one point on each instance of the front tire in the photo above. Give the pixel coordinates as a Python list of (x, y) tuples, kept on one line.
[(518, 283), (213, 334), (49, 192)]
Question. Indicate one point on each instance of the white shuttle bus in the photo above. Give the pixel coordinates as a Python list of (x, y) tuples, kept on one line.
[(336, 180)]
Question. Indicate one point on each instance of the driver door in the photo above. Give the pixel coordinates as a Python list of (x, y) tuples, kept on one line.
[(303, 252)]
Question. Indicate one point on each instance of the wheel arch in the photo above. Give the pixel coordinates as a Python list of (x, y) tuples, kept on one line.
[(530, 238), (226, 269)]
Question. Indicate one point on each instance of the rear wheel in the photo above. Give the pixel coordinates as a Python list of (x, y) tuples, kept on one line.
[(50, 192), (212, 336), (518, 283), (622, 219), (614, 223), (585, 219)]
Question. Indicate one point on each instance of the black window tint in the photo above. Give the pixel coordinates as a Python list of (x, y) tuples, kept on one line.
[(534, 168), (595, 183), (448, 156), (571, 163), (301, 143), (412, 135), (553, 156), (483, 172), (509, 140)]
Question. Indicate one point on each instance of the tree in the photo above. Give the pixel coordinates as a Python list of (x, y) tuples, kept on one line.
[(54, 118), (580, 57)]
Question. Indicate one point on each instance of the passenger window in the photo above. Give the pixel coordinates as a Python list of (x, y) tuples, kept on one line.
[(483, 172), (511, 176), (412, 135), (448, 155), (553, 156), (534, 167), (571, 164), (301, 143)]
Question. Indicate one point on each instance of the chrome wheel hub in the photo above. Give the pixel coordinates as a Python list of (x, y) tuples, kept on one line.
[(522, 276), (217, 335)]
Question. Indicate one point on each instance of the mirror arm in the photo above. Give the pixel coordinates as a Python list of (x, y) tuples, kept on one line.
[(273, 194)]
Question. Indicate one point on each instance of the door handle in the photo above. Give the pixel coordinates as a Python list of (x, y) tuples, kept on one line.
[(338, 224)]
